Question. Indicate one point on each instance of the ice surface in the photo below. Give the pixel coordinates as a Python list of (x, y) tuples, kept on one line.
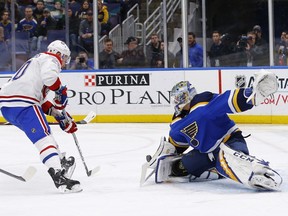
[(120, 150)]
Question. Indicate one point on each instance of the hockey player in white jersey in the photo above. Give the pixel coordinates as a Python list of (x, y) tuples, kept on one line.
[(24, 104)]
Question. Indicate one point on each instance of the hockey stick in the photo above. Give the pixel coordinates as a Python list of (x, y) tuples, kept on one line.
[(88, 172), (91, 115), (28, 174)]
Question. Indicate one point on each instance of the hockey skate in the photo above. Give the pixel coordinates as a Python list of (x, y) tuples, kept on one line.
[(68, 165), (265, 179), (64, 184)]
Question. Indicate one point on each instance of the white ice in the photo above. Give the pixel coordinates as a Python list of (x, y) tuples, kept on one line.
[(120, 150)]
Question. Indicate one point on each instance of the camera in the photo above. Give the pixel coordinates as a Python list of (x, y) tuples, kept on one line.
[(179, 39), (243, 41), (81, 60)]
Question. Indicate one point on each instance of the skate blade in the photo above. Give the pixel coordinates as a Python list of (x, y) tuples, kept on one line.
[(75, 189)]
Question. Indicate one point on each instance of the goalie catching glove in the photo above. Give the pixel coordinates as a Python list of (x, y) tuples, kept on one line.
[(265, 85)]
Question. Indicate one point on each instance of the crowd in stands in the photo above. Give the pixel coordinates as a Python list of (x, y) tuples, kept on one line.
[(40, 21), (35, 19)]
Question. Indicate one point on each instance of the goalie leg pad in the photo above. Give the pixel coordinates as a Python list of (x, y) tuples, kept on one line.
[(164, 148), (246, 169), (164, 167)]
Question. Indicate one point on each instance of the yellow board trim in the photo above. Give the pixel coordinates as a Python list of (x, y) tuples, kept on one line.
[(245, 119)]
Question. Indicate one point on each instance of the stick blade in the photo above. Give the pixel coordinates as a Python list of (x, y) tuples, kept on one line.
[(29, 173), (93, 171), (91, 115)]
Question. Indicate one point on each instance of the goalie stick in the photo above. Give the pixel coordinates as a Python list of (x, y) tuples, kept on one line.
[(28, 174), (88, 172)]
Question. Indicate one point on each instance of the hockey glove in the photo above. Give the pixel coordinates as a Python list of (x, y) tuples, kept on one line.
[(49, 109), (67, 125), (61, 99)]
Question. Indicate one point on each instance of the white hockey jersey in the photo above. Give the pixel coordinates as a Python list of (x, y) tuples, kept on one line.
[(28, 86)]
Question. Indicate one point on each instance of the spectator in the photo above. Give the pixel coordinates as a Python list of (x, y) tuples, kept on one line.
[(86, 33), (108, 57), (74, 24), (74, 6), (81, 62), (103, 18), (262, 48), (82, 14), (251, 50), (38, 11), (229, 50), (179, 55), (153, 51), (18, 10), (195, 51), (29, 24), (170, 56), (134, 56), (6, 24), (4, 56), (46, 23), (58, 14), (216, 51), (282, 50)]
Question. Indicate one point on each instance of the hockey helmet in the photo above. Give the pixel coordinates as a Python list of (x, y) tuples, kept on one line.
[(59, 46), (181, 94)]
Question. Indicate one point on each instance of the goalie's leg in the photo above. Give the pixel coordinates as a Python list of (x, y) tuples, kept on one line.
[(193, 166), (247, 170)]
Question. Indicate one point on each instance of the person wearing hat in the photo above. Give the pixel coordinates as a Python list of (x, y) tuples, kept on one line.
[(38, 11), (134, 56), (262, 54), (46, 23), (86, 32)]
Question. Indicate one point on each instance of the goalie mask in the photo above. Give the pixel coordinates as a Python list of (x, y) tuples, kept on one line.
[(181, 94), (59, 46)]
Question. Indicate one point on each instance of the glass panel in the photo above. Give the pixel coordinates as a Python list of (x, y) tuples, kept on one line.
[(138, 24), (243, 30)]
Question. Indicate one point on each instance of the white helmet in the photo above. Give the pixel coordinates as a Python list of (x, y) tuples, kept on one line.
[(59, 46), (181, 94)]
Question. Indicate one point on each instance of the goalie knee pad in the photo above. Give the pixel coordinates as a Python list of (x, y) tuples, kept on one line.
[(246, 169)]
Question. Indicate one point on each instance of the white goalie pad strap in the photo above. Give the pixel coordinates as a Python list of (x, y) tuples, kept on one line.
[(248, 170), (265, 85)]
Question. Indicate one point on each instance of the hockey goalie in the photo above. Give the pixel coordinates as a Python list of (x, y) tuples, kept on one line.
[(219, 149)]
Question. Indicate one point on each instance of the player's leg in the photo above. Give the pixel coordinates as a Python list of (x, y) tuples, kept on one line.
[(235, 163), (32, 121)]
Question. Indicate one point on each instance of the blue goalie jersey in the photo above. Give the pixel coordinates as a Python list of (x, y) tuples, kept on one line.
[(207, 123)]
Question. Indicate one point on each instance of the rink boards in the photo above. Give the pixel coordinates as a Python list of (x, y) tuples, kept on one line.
[(143, 95)]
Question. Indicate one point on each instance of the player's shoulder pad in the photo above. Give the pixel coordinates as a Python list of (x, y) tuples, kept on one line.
[(202, 97)]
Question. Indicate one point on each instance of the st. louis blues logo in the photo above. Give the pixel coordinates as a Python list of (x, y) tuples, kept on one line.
[(240, 81)]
